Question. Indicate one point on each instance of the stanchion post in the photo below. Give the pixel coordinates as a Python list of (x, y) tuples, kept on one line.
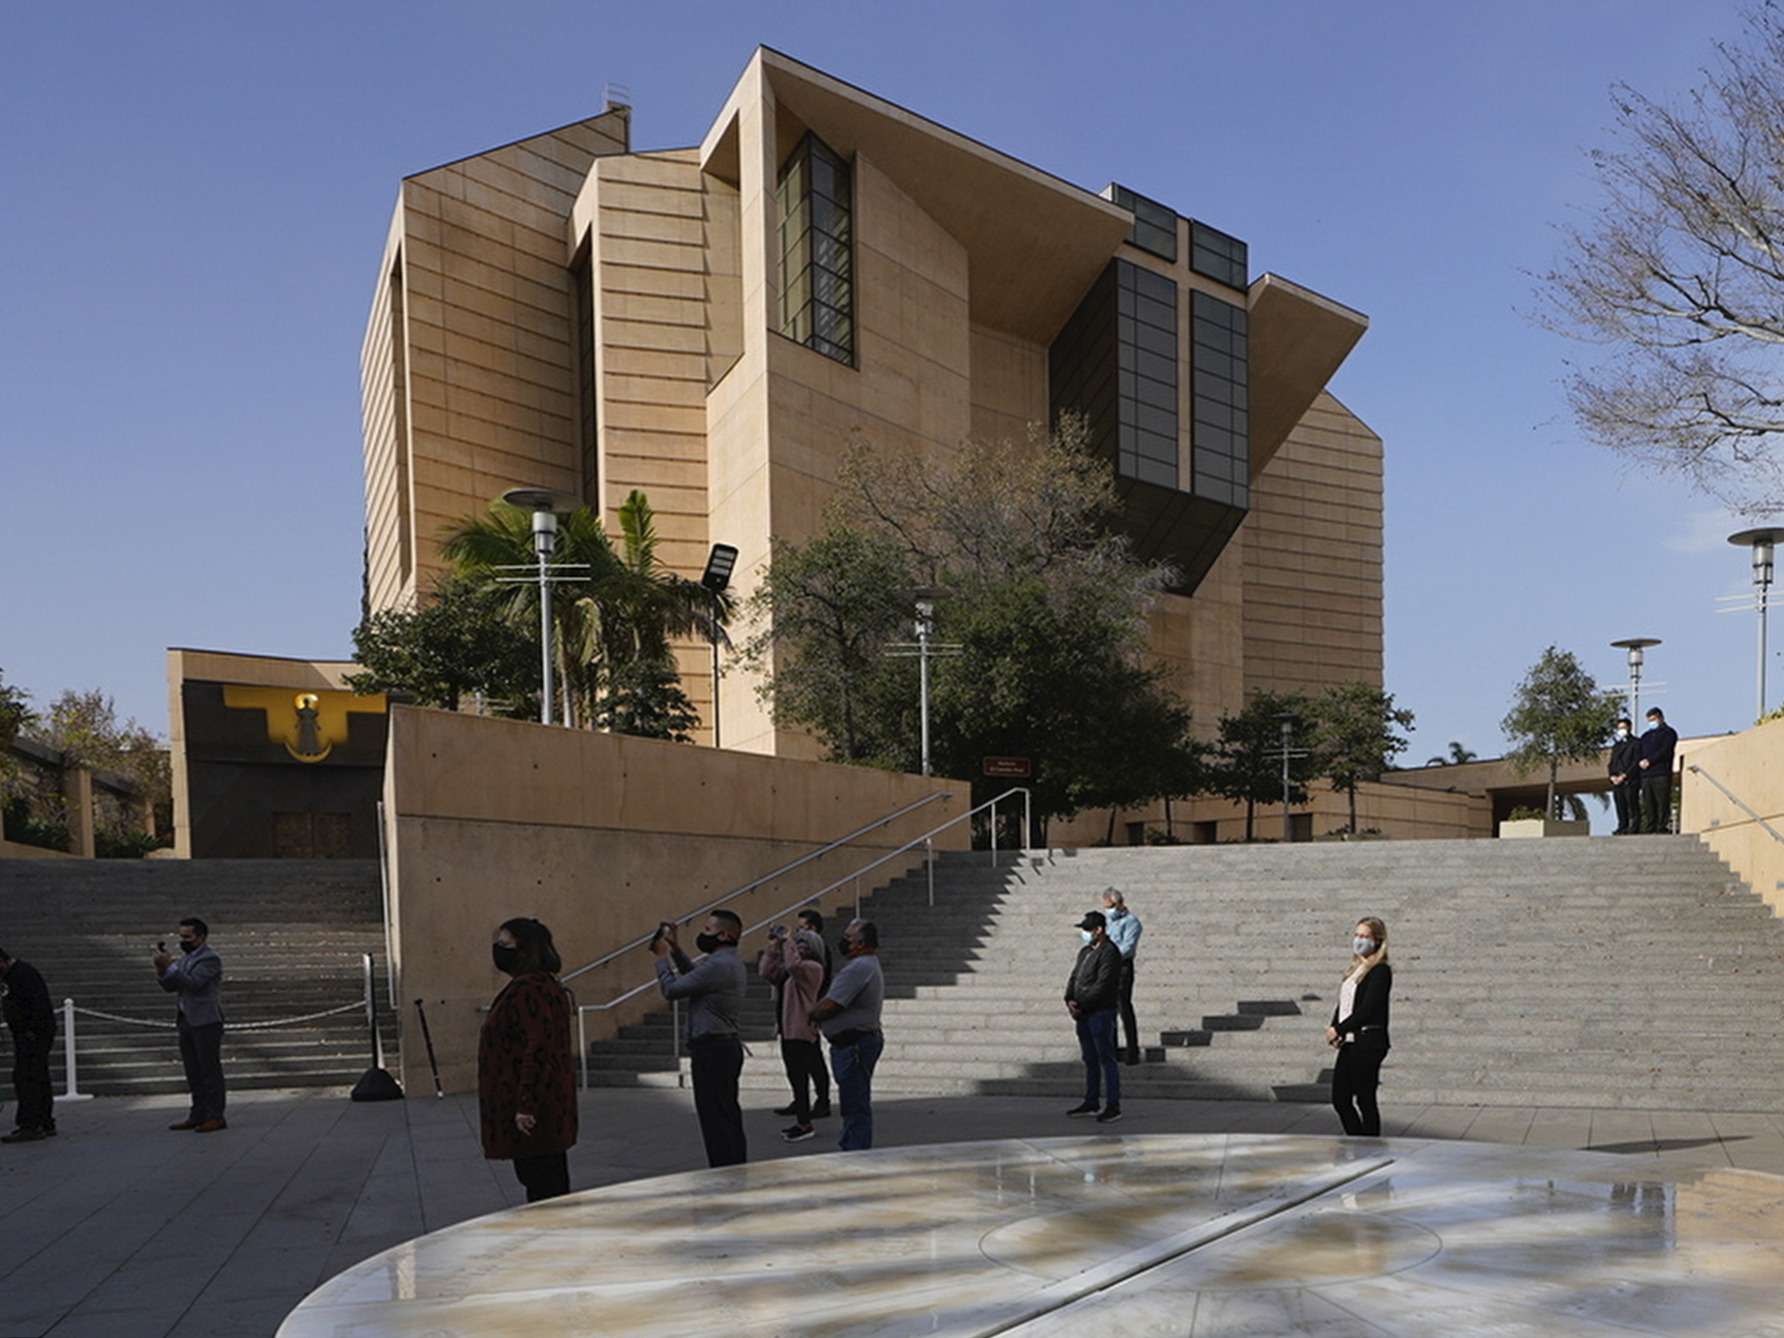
[(73, 1092)]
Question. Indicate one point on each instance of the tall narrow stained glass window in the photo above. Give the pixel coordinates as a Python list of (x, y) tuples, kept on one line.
[(815, 206)]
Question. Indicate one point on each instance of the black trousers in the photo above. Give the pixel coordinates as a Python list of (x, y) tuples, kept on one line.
[(717, 1063), (31, 1080), (201, 1051), (806, 1073), (1130, 1025), (1629, 805), (1355, 1075), (1657, 802), (545, 1176)]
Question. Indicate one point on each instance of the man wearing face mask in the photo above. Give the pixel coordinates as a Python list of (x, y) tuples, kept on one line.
[(849, 1016), (714, 991), (1626, 783), (1092, 996), (1658, 745), (197, 977)]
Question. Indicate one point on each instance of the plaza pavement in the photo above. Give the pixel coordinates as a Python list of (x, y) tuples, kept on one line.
[(120, 1229)]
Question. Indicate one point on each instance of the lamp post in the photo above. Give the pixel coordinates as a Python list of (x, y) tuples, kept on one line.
[(1635, 645), (719, 565), (1761, 541), (924, 648), (544, 504)]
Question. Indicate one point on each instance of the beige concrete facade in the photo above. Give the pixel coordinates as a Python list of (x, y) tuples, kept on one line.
[(601, 836), (1731, 794), (966, 266)]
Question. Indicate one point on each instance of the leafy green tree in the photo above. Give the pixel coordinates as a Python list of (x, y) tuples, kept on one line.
[(827, 611), (1247, 764), (457, 645), (1044, 604), (1456, 757), (15, 717), (1558, 715), (1354, 737), (84, 728)]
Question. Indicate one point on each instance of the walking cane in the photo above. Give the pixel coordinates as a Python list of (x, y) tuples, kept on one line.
[(428, 1036)]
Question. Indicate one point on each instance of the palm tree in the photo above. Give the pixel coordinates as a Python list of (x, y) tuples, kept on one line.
[(613, 611), (1457, 755)]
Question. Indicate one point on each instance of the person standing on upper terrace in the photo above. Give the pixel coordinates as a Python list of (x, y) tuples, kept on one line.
[(1659, 744)]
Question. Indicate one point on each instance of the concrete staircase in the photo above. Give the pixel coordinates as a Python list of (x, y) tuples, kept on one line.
[(1612, 972), (290, 932)]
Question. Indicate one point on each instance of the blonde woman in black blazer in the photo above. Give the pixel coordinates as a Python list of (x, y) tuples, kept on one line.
[(1359, 1029)]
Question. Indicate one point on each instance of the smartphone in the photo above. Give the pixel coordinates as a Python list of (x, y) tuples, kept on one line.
[(161, 945)]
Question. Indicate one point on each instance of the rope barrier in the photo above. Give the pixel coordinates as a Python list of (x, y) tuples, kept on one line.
[(357, 1004)]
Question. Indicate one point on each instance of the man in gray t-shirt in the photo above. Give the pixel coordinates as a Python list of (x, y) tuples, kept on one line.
[(849, 1015)]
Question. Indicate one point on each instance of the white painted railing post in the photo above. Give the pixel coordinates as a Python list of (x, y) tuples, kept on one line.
[(73, 1093)]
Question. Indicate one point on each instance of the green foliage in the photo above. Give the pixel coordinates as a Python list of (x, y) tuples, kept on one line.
[(1247, 765), (1457, 756), (828, 610), (456, 646), (1354, 736), (1558, 715), (1045, 607), (15, 718), (613, 614), (84, 728)]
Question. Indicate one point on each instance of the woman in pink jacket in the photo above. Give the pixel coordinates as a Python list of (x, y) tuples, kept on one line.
[(795, 962)]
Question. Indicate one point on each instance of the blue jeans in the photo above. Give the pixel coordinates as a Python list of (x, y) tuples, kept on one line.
[(853, 1067), (1096, 1042)]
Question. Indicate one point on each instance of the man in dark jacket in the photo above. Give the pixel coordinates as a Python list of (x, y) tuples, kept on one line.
[(1656, 766), (1092, 997), (1626, 778), (30, 1017)]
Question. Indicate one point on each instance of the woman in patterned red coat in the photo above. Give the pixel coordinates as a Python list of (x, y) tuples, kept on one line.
[(526, 1063)]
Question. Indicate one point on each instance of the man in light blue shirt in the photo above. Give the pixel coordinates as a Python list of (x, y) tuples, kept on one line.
[(1124, 930)]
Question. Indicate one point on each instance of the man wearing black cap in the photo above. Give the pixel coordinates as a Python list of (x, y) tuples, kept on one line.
[(1092, 997)]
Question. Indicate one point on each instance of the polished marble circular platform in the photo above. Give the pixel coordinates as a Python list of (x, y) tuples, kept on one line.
[(1106, 1236)]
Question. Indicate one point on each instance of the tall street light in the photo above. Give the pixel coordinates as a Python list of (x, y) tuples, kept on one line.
[(924, 648), (1761, 541), (719, 565), (544, 504), (1635, 645)]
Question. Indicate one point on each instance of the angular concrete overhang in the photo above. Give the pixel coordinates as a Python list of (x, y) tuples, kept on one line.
[(1298, 340), (1034, 243)]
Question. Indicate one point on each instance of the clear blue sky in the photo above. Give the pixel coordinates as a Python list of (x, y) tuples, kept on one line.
[(194, 197)]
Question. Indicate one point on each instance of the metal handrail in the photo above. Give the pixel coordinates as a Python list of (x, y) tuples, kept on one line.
[(1737, 802), (784, 869), (584, 1010)]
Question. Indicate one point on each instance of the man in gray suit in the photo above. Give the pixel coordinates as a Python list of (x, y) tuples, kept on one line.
[(197, 977)]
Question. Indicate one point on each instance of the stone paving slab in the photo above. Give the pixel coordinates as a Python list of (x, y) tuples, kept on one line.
[(120, 1229)]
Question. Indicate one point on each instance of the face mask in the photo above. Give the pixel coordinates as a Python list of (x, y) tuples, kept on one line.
[(1084, 934), (1362, 947), (709, 943), (507, 960), (188, 947), (1622, 733)]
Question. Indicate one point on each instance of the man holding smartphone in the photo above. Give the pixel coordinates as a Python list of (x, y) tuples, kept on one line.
[(714, 990), (197, 977)]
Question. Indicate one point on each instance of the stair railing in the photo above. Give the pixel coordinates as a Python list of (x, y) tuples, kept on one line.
[(926, 840), (1736, 800), (751, 886)]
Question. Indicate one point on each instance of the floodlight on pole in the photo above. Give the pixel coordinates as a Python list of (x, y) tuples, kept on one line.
[(544, 504), (924, 648), (1635, 645), (719, 565), (1761, 541)]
